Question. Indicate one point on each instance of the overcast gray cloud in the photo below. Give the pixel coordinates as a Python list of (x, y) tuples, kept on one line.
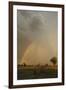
[(40, 26)]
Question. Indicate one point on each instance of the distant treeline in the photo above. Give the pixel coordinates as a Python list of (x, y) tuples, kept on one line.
[(53, 60)]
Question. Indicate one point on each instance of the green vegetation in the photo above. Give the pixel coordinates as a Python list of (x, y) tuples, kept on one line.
[(38, 71), (35, 73), (54, 60)]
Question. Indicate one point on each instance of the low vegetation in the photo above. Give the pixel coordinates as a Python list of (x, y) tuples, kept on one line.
[(37, 71)]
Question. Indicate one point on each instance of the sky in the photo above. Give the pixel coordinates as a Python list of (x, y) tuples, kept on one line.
[(36, 36)]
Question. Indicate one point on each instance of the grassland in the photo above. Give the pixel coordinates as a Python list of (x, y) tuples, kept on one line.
[(36, 72)]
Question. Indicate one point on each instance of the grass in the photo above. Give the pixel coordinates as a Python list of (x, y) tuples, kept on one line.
[(26, 72)]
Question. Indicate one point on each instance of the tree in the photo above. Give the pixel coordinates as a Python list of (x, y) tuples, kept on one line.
[(54, 60), (24, 64), (46, 65)]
